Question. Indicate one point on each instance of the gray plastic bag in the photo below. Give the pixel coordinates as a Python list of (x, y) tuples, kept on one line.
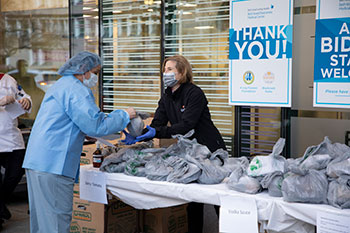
[(308, 186), (157, 169), (136, 125), (182, 171), (317, 161), (339, 192), (339, 166), (273, 183), (211, 173), (240, 181), (244, 183)]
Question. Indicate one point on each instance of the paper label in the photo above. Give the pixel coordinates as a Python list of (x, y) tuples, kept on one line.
[(93, 186), (238, 215), (332, 223)]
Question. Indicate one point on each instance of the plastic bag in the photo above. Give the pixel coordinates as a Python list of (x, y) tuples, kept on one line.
[(182, 171), (273, 182), (244, 183), (308, 186), (317, 161), (339, 192), (239, 181), (325, 147), (136, 125), (339, 166), (262, 165), (211, 173), (157, 169)]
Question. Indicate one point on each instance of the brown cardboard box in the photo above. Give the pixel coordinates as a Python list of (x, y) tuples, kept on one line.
[(91, 217), (86, 154), (166, 220)]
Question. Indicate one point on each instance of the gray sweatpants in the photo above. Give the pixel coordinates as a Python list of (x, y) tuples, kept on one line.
[(50, 202)]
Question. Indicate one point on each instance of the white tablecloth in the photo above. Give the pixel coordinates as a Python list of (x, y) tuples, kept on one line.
[(276, 214)]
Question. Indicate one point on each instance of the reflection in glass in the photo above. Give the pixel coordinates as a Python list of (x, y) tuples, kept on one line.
[(34, 43)]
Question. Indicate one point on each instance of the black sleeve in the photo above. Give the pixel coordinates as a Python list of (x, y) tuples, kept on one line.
[(160, 119), (196, 102)]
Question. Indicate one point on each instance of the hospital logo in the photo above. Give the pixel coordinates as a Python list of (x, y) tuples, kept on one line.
[(248, 77), (269, 77)]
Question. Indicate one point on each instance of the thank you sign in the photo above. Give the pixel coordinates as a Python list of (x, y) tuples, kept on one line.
[(260, 52)]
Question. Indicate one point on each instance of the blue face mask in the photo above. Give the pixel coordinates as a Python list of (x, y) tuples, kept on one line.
[(92, 81), (169, 79)]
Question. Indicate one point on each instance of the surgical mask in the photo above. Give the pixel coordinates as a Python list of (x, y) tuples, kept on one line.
[(92, 81), (169, 79)]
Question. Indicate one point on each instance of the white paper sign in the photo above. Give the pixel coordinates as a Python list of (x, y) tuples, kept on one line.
[(332, 223), (93, 186), (238, 215), (14, 110)]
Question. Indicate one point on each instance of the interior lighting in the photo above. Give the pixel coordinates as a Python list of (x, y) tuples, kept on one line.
[(148, 2), (43, 83), (187, 13), (204, 27), (87, 8), (157, 2), (150, 10), (117, 12)]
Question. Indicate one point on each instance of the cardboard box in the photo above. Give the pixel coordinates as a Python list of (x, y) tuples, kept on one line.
[(166, 220), (91, 217), (86, 154)]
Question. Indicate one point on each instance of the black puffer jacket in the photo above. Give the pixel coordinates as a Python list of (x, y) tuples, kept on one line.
[(186, 109)]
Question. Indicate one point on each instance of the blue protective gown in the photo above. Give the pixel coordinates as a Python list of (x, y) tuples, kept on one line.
[(68, 113)]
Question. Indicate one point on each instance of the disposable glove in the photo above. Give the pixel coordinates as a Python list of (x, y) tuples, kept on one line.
[(149, 135), (7, 100), (129, 140)]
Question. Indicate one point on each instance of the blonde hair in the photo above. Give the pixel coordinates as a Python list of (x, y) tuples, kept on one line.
[(183, 67)]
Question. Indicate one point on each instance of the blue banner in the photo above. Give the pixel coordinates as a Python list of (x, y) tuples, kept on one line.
[(263, 42), (332, 50)]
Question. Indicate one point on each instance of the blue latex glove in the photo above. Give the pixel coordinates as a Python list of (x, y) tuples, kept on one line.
[(149, 135), (129, 140)]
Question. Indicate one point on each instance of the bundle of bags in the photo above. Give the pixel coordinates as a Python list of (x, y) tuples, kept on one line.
[(183, 162), (321, 175)]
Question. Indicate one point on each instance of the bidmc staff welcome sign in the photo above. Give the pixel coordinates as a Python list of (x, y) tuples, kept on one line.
[(332, 54), (260, 53)]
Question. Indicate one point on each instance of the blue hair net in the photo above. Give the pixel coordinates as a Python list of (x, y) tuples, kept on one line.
[(80, 64)]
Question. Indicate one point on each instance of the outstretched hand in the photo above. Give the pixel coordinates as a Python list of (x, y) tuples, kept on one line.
[(129, 140), (148, 135)]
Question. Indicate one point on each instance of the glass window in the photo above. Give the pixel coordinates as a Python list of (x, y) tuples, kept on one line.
[(34, 43)]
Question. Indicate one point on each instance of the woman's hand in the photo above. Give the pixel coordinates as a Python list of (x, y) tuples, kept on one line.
[(131, 112)]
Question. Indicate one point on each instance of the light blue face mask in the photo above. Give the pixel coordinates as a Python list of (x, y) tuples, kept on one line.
[(169, 79), (92, 81)]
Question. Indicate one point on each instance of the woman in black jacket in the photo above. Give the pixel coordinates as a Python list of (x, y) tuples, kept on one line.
[(185, 107)]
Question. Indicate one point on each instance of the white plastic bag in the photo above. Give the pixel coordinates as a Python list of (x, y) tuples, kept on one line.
[(263, 165)]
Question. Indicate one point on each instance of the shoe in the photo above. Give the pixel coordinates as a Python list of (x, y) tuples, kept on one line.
[(5, 213)]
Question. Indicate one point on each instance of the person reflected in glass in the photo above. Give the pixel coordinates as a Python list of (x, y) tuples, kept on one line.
[(185, 106), (67, 114)]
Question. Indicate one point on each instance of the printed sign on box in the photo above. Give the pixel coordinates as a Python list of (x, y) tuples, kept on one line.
[(260, 52)]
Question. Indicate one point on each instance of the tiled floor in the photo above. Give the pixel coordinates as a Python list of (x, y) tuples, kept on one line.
[(19, 223)]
